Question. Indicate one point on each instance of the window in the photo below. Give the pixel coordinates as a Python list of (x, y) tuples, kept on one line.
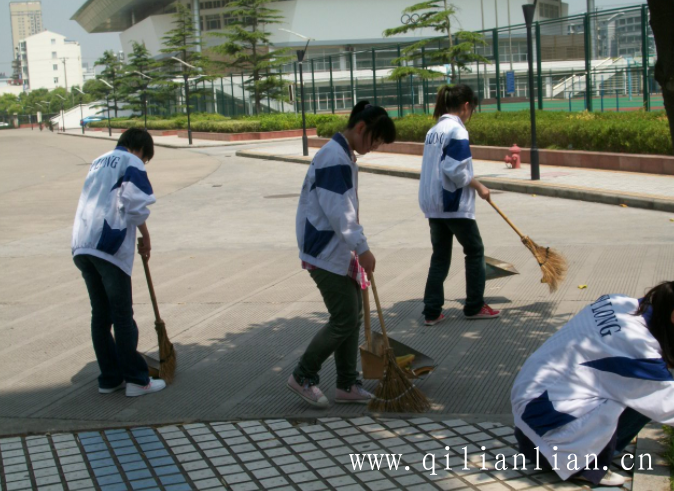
[(55, 67), (213, 22), (53, 55), (56, 80), (53, 41)]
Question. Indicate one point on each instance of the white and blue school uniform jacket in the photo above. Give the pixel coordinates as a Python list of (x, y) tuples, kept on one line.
[(572, 390), (328, 232), (446, 171), (114, 201)]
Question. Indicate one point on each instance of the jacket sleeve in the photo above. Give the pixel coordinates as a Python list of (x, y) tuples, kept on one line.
[(135, 195), (456, 158), (337, 198)]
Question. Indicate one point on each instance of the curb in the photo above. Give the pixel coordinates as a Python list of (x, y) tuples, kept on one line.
[(578, 193), (169, 145)]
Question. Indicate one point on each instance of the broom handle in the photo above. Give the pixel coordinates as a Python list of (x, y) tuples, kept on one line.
[(366, 319), (150, 287), (379, 312), (507, 219)]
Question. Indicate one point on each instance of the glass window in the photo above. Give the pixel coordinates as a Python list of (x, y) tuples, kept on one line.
[(213, 22), (55, 67), (53, 41), (56, 80), (53, 55)]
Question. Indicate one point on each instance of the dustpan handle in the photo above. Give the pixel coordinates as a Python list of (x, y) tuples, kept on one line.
[(379, 312), (150, 286), (507, 219), (366, 318)]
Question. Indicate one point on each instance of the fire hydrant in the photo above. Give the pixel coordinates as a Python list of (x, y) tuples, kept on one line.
[(513, 160)]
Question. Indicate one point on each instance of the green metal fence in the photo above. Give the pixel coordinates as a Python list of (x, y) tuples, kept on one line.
[(601, 61)]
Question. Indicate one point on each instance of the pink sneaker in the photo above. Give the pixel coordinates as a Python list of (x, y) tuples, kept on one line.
[(486, 313), (355, 395), (432, 322), (310, 393)]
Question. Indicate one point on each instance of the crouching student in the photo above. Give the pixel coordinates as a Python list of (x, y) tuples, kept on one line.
[(114, 202), (447, 189), (334, 250), (589, 389)]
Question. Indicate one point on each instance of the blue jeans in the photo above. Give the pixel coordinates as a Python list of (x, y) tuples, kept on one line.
[(443, 231), (630, 424), (112, 305)]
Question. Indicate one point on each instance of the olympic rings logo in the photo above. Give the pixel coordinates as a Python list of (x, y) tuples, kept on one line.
[(409, 19)]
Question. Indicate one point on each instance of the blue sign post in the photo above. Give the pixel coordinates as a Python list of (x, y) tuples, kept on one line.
[(510, 82)]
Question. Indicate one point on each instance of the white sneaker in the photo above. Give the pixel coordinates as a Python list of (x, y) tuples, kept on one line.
[(135, 390), (609, 479), (101, 390)]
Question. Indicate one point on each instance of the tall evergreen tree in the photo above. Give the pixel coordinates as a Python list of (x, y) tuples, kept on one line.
[(248, 48), (112, 73), (139, 66), (436, 15)]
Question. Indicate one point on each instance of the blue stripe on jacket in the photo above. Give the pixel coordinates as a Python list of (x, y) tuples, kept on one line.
[(137, 177), (654, 369), (541, 415)]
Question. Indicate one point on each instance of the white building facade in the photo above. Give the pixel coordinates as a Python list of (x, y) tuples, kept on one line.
[(51, 61)]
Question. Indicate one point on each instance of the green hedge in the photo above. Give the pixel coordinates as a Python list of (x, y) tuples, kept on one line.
[(627, 132), (226, 126)]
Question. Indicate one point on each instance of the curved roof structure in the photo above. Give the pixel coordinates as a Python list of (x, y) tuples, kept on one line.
[(116, 15)]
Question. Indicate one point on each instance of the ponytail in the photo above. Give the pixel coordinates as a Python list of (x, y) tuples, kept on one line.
[(378, 124), (452, 97), (657, 306)]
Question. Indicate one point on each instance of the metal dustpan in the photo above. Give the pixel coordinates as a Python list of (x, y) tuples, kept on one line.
[(498, 269), (373, 352)]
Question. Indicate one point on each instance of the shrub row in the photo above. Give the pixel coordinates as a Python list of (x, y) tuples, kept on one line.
[(633, 132)]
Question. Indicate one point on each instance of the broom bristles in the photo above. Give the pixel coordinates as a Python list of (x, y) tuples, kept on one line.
[(396, 393), (167, 355), (553, 264)]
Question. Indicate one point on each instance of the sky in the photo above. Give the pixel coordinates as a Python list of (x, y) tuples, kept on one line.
[(56, 16)]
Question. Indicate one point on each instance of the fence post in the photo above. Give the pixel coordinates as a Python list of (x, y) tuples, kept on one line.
[(588, 62), (399, 90), (617, 100), (374, 76), (539, 66), (332, 87), (268, 98), (424, 104), (352, 55), (412, 91), (313, 86), (645, 55), (231, 81), (295, 92), (479, 96), (494, 38), (222, 91), (243, 97)]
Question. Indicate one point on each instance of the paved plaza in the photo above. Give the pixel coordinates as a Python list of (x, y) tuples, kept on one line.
[(241, 311)]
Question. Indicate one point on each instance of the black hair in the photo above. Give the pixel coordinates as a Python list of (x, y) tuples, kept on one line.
[(452, 97), (660, 301), (137, 140), (378, 124)]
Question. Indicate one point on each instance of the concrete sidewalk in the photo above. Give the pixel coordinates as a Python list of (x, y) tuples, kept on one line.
[(177, 142), (649, 191)]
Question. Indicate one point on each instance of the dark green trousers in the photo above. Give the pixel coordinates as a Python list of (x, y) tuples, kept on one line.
[(344, 301), (443, 231)]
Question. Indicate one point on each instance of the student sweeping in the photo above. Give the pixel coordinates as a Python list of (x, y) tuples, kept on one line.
[(447, 191), (591, 387), (334, 250), (114, 202)]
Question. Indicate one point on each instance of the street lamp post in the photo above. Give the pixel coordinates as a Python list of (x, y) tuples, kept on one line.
[(81, 111), (300, 60), (187, 96), (529, 11), (63, 114), (48, 108), (144, 95), (107, 105)]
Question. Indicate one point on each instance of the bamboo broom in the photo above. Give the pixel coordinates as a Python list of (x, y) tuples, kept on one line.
[(552, 263), (167, 355), (396, 393)]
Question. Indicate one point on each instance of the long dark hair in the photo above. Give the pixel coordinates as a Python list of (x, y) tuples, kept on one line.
[(452, 97), (378, 124), (657, 306)]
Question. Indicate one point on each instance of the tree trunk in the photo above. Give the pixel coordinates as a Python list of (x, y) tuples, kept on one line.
[(662, 19)]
